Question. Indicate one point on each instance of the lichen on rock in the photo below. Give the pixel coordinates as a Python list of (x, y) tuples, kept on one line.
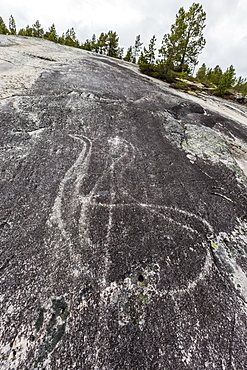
[(123, 217)]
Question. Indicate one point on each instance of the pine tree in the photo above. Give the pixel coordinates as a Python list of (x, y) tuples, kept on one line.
[(87, 45), (61, 39), (216, 75), (112, 44), (146, 60), (194, 41), (3, 29), (241, 86), (70, 38), (94, 44), (227, 80), (137, 47), (22, 32), (202, 73), (180, 48), (209, 75), (150, 52), (120, 53), (102, 43), (143, 58), (147, 56), (12, 25), (143, 62), (37, 30), (129, 57), (51, 34), (28, 31), (240, 82), (170, 50)]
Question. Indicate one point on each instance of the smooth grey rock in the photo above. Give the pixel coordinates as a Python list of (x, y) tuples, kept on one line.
[(122, 217)]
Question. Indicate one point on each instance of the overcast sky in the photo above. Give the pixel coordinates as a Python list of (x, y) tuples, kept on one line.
[(225, 32)]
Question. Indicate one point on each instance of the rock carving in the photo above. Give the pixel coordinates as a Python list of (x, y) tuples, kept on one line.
[(123, 217)]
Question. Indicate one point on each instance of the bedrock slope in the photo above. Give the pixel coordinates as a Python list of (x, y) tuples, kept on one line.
[(122, 217)]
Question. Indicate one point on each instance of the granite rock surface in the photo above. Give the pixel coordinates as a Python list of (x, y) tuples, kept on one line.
[(123, 217)]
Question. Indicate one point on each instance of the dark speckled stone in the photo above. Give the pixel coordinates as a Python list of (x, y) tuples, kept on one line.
[(122, 219)]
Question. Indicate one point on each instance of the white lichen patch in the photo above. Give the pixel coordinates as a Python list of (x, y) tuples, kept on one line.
[(231, 251), (238, 276), (131, 296), (238, 149), (13, 354), (204, 143)]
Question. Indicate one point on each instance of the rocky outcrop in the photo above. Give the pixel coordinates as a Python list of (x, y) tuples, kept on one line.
[(122, 217)]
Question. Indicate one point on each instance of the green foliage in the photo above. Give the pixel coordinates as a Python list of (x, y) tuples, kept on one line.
[(37, 30), (202, 73), (3, 29), (94, 44), (65, 314), (51, 34), (101, 43), (70, 38), (181, 85), (28, 31), (146, 60), (170, 50), (216, 75), (120, 53), (214, 246), (180, 48), (90, 45), (158, 70), (185, 76), (143, 59), (106, 44), (112, 49), (137, 47), (134, 51), (241, 86), (194, 41), (144, 65), (209, 75), (12, 25), (163, 73), (129, 57), (223, 83), (61, 39), (226, 81), (150, 52), (87, 45), (142, 299), (22, 32), (147, 68), (178, 52)]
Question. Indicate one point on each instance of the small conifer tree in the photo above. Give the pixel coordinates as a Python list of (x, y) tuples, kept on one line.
[(12, 25)]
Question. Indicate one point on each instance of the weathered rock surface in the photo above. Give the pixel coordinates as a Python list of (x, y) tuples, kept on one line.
[(122, 217)]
